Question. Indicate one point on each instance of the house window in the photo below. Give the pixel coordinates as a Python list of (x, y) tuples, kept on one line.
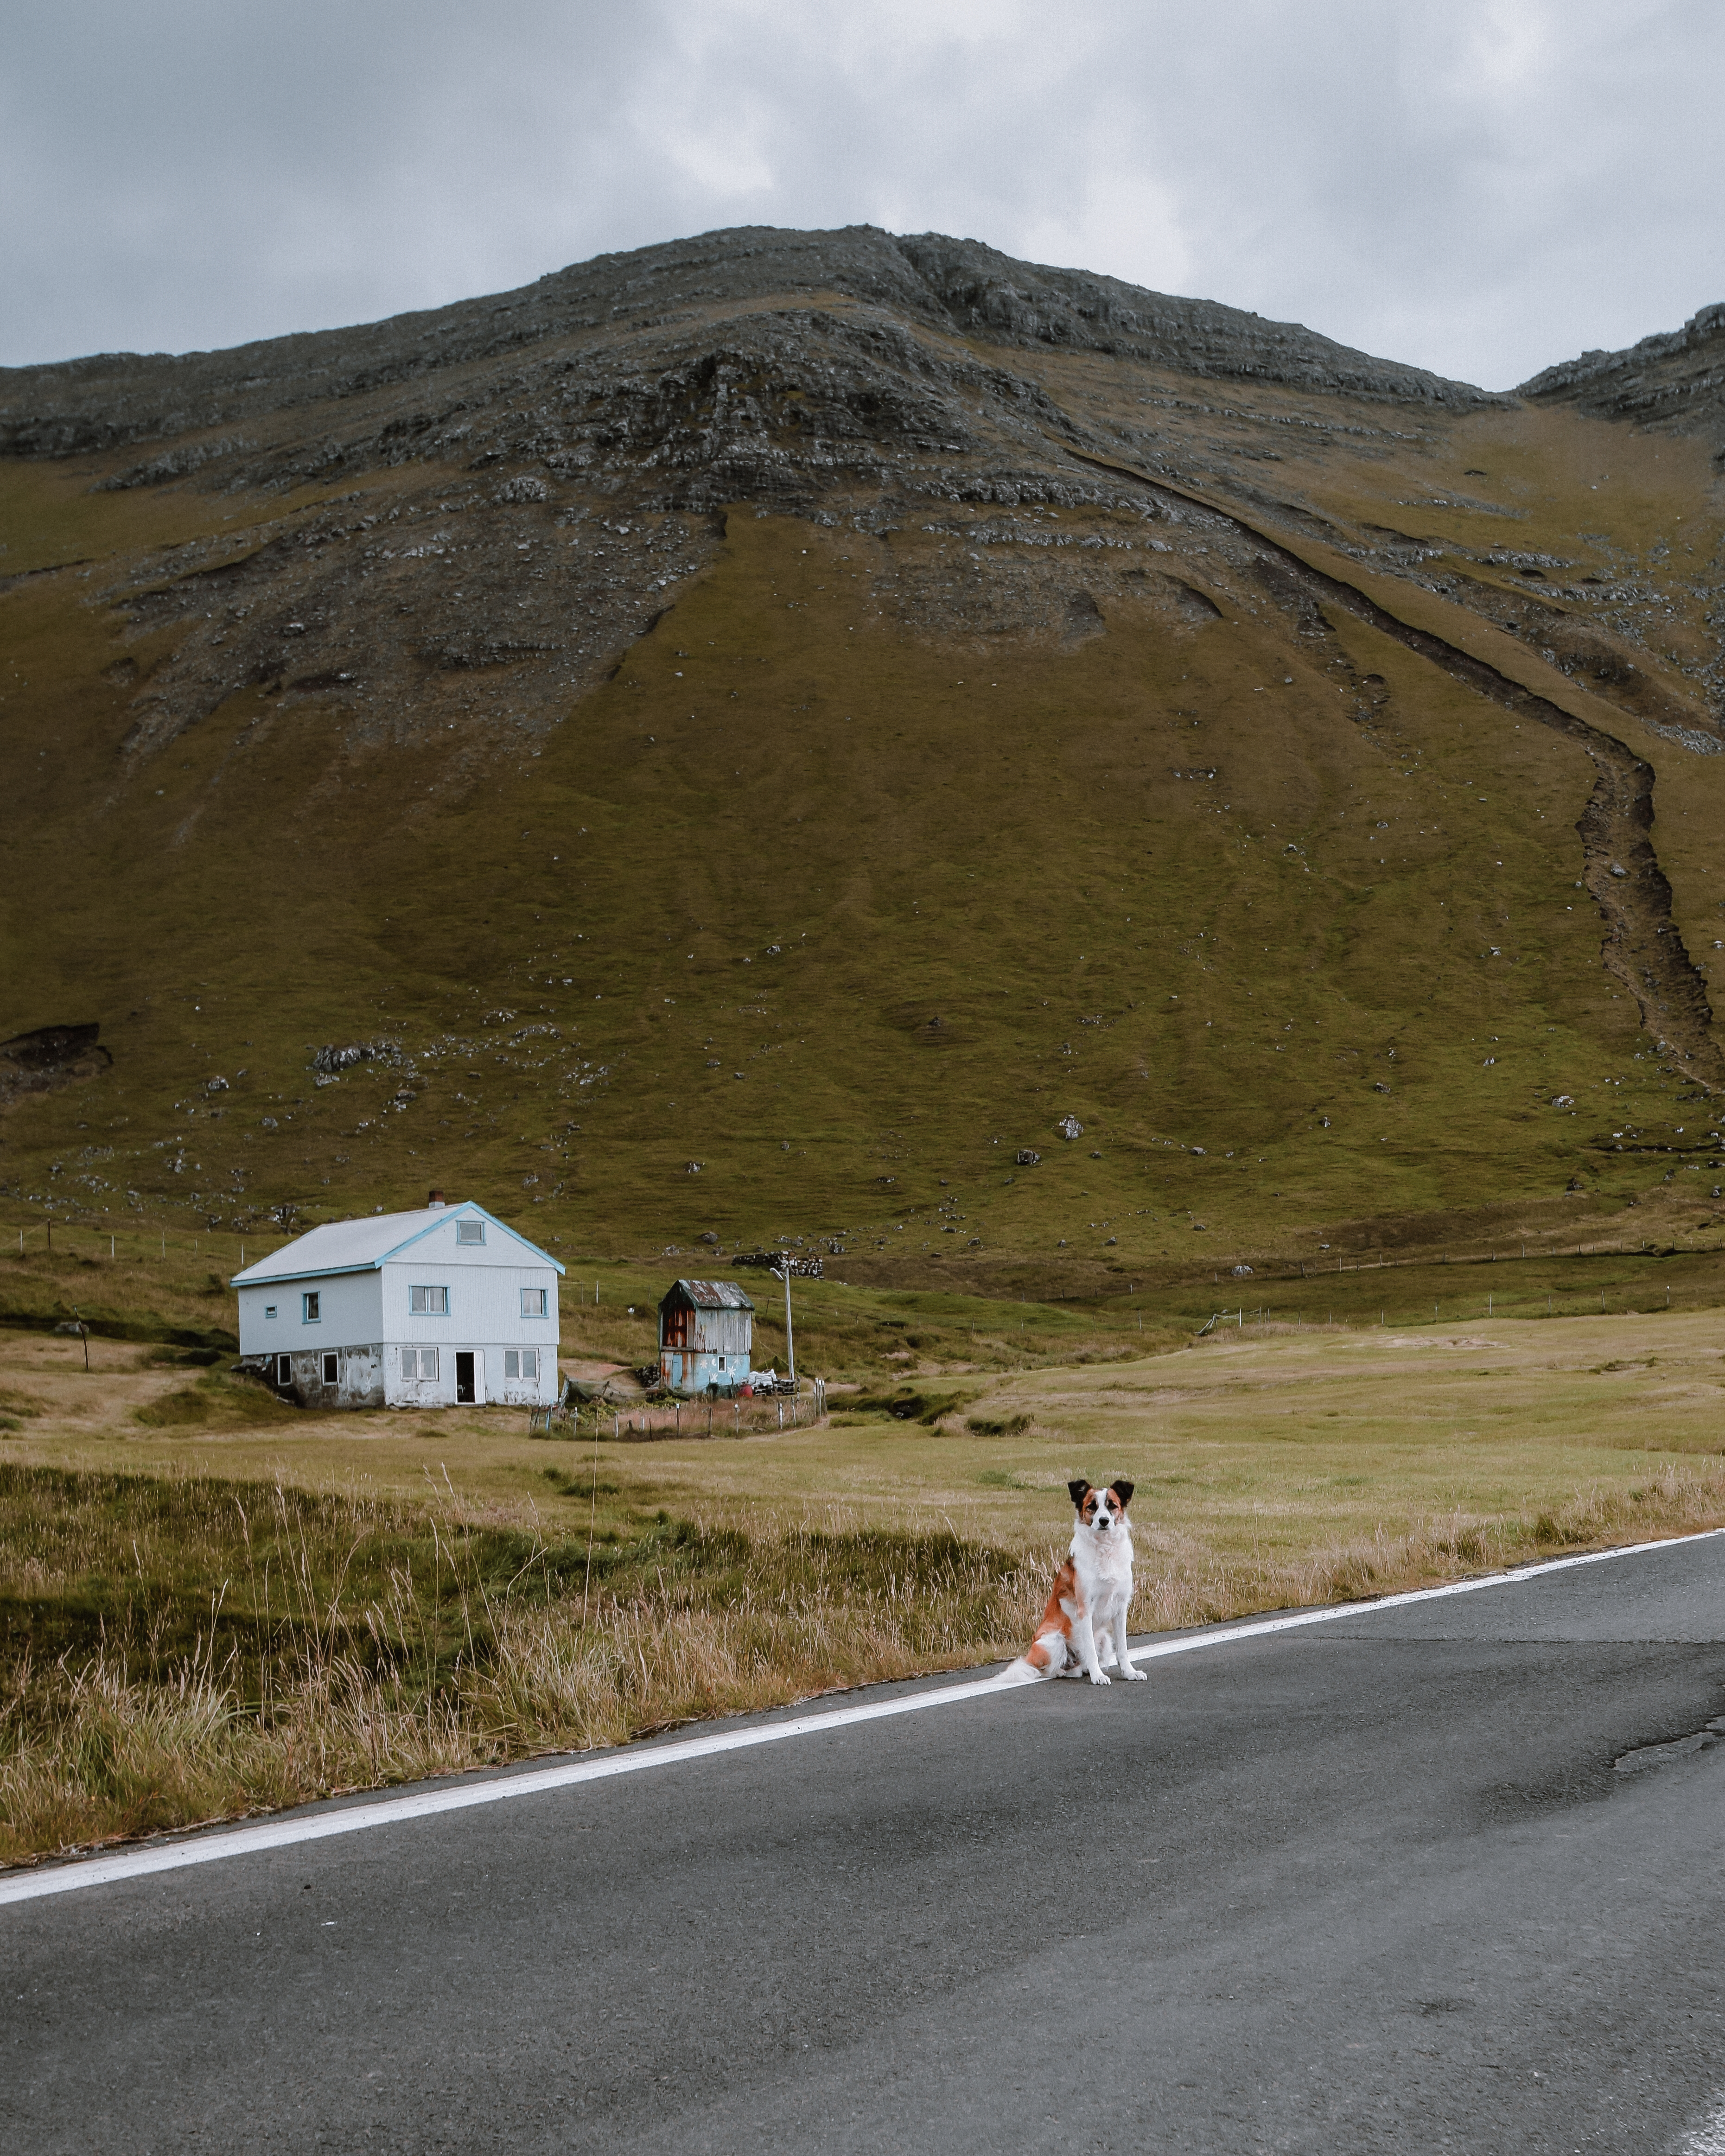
[(470, 1231), (418, 1362), (268, 1310), (520, 1363), (428, 1302), (532, 1302), (309, 1305), (284, 1369), (330, 1371)]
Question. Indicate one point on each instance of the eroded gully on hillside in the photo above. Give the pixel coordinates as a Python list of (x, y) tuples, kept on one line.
[(1643, 947)]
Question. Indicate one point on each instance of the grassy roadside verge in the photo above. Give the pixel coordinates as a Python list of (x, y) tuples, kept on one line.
[(180, 1648)]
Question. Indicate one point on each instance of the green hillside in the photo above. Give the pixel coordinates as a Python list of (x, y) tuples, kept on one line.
[(910, 827)]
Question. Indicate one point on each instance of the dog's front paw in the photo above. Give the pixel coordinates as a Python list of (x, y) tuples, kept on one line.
[(1096, 1677), (1132, 1676)]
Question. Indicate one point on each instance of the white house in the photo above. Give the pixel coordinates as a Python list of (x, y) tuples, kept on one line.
[(430, 1309)]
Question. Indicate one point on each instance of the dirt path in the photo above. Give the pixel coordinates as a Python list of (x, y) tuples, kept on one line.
[(1643, 947)]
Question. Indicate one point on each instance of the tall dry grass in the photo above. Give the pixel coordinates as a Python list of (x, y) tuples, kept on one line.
[(1183, 1581), (258, 1648), (188, 1649)]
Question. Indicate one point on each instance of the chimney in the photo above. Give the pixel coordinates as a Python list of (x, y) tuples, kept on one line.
[(435, 1200)]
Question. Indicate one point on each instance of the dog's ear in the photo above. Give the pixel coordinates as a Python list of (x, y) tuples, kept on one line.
[(1123, 1490), (1078, 1491)]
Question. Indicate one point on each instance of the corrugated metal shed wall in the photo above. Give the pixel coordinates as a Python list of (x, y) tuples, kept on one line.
[(707, 1317)]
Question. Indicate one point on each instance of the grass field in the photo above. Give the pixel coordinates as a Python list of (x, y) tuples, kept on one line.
[(1668, 1249), (224, 1606)]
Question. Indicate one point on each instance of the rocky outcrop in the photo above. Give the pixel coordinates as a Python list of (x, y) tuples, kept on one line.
[(1675, 380), (990, 294), (91, 405), (51, 1056)]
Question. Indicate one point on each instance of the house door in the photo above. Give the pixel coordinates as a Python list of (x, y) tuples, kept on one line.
[(464, 1378)]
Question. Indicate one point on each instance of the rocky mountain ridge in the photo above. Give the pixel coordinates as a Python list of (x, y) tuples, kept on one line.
[(113, 399), (813, 373), (1675, 380)]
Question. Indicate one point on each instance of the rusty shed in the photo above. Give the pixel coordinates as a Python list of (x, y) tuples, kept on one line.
[(706, 1334)]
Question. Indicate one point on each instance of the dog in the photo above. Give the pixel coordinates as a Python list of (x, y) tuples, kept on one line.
[(1092, 1593)]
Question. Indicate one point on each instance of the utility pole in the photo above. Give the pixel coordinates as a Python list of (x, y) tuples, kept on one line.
[(790, 1344)]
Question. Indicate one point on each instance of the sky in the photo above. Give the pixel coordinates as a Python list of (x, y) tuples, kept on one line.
[(1482, 187)]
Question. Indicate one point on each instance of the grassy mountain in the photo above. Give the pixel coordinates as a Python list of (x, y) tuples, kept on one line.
[(744, 739)]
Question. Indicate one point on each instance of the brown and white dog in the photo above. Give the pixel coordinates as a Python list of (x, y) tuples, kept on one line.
[(1092, 1593)]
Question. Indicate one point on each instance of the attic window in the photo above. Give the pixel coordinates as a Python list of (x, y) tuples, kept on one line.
[(470, 1231), (428, 1303)]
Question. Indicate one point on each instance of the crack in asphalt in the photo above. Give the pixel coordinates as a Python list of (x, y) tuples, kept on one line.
[(1667, 1754)]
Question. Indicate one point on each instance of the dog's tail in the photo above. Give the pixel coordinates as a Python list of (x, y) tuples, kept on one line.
[(1046, 1657)]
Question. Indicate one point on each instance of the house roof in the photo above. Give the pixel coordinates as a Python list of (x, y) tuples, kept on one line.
[(362, 1245), (710, 1295)]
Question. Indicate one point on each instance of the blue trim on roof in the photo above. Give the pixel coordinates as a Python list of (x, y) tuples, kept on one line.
[(299, 1273), (251, 1277)]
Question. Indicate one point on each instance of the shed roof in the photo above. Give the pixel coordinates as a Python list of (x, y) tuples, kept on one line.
[(362, 1245), (709, 1295)]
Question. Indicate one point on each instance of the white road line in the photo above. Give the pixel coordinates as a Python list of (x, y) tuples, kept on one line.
[(426, 1804), (1706, 2139)]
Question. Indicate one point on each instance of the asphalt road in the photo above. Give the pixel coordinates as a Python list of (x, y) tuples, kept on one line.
[(1375, 1885)]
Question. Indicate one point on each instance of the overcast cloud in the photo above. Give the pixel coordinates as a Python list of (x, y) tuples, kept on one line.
[(1481, 188)]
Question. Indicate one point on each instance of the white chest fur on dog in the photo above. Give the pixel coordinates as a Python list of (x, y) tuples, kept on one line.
[(1083, 1625)]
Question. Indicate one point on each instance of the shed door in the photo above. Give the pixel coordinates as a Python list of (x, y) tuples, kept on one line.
[(463, 1376)]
